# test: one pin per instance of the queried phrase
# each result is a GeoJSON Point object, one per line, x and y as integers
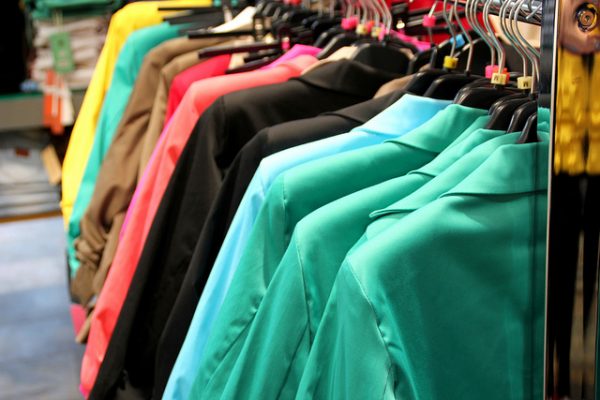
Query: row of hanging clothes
{"type": "Point", "coordinates": [297, 200]}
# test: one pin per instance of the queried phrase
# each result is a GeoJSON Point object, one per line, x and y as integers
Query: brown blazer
{"type": "Point", "coordinates": [157, 116]}
{"type": "Point", "coordinates": [118, 176]}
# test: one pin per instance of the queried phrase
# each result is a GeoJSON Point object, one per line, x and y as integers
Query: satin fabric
{"type": "Point", "coordinates": [101, 223]}
{"type": "Point", "coordinates": [143, 207]}
{"type": "Point", "coordinates": [453, 289]}
{"type": "Point", "coordinates": [337, 176]}
{"type": "Point", "coordinates": [125, 74]}
{"type": "Point", "coordinates": [391, 123]}
{"type": "Point", "coordinates": [287, 320]}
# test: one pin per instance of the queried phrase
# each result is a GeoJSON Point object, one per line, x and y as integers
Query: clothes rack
{"type": "Point", "coordinates": [187, 306]}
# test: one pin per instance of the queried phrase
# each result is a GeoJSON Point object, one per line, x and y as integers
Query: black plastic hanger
{"type": "Point", "coordinates": [196, 10]}
{"type": "Point", "coordinates": [262, 54]}
{"type": "Point", "coordinates": [260, 7]}
{"type": "Point", "coordinates": [382, 56]}
{"type": "Point", "coordinates": [529, 134]}
{"type": "Point", "coordinates": [206, 33]}
{"type": "Point", "coordinates": [270, 8]}
{"type": "Point", "coordinates": [481, 56]}
{"type": "Point", "coordinates": [308, 21]}
{"type": "Point", "coordinates": [501, 112]}
{"type": "Point", "coordinates": [422, 80]}
{"type": "Point", "coordinates": [499, 102]}
{"type": "Point", "coordinates": [419, 60]}
{"type": "Point", "coordinates": [284, 41]}
{"type": "Point", "coordinates": [322, 24]}
{"type": "Point", "coordinates": [340, 40]}
{"type": "Point", "coordinates": [326, 37]}
{"type": "Point", "coordinates": [192, 18]}
{"type": "Point", "coordinates": [215, 17]}
{"type": "Point", "coordinates": [280, 10]}
{"type": "Point", "coordinates": [297, 15]}
{"type": "Point", "coordinates": [481, 97]}
{"type": "Point", "coordinates": [483, 94]}
{"type": "Point", "coordinates": [291, 19]}
{"type": "Point", "coordinates": [521, 115]}
{"type": "Point", "coordinates": [244, 48]}
{"type": "Point", "coordinates": [253, 64]}
{"type": "Point", "coordinates": [447, 86]}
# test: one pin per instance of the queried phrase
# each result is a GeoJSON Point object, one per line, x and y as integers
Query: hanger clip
{"type": "Point", "coordinates": [450, 62]}
{"type": "Point", "coordinates": [524, 82]}
{"type": "Point", "coordinates": [429, 21]}
{"type": "Point", "coordinates": [499, 79]}
{"type": "Point", "coordinates": [378, 33]}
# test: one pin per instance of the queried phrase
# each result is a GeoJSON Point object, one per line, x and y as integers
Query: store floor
{"type": "Point", "coordinates": [38, 356]}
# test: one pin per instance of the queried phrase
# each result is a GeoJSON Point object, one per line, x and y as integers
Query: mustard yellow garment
{"type": "Point", "coordinates": [570, 114]}
{"type": "Point", "coordinates": [577, 141]}
{"type": "Point", "coordinates": [130, 18]}
{"type": "Point", "coordinates": [593, 161]}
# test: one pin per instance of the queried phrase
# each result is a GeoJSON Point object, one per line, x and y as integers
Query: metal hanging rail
{"type": "Point", "coordinates": [531, 11]}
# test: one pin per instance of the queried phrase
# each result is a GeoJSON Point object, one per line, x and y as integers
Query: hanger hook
{"type": "Point", "coordinates": [381, 12]}
{"type": "Point", "coordinates": [534, 53]}
{"type": "Point", "coordinates": [348, 8]}
{"type": "Point", "coordinates": [387, 23]}
{"type": "Point", "coordinates": [505, 25]}
{"type": "Point", "coordinates": [481, 30]}
{"type": "Point", "coordinates": [466, 35]}
{"type": "Point", "coordinates": [513, 27]}
{"type": "Point", "coordinates": [377, 14]}
{"type": "Point", "coordinates": [429, 29]}
{"type": "Point", "coordinates": [495, 41]}
{"type": "Point", "coordinates": [450, 26]}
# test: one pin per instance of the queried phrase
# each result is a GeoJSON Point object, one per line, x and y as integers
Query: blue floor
{"type": "Point", "coordinates": [39, 358]}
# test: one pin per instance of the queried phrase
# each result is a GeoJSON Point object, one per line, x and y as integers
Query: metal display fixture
{"type": "Point", "coordinates": [571, 77]}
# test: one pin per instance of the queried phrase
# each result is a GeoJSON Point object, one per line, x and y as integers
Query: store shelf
{"type": "Point", "coordinates": [25, 110]}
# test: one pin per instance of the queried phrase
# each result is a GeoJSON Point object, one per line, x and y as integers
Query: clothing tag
{"type": "Point", "coordinates": [62, 54]}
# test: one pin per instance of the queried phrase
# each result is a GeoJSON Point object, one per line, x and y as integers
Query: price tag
{"type": "Point", "coordinates": [62, 54]}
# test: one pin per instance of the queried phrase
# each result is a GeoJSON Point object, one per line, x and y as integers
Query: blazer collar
{"type": "Point", "coordinates": [510, 168]}
{"type": "Point", "coordinates": [470, 139]}
{"type": "Point", "coordinates": [441, 130]}
{"type": "Point", "coordinates": [514, 169]}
